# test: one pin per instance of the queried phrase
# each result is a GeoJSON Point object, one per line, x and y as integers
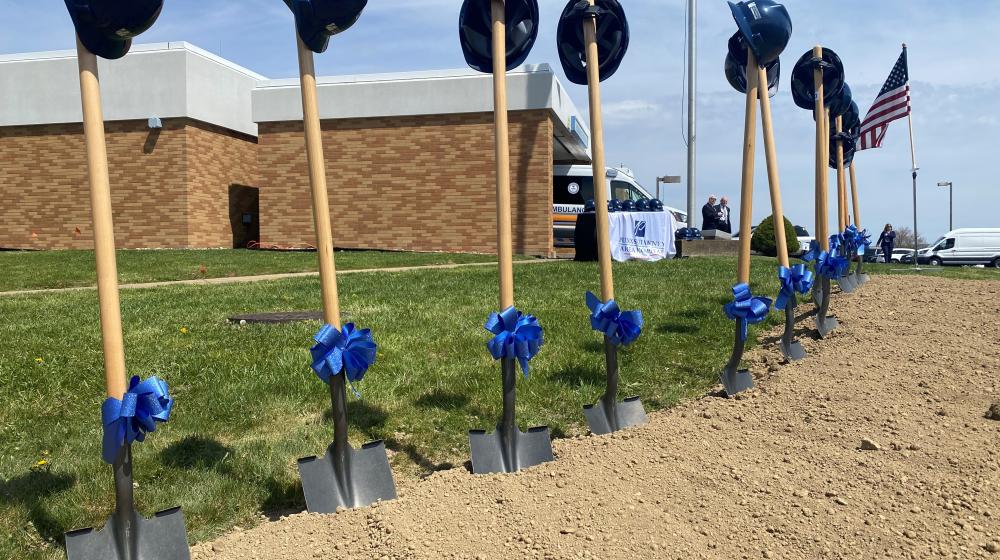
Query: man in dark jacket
{"type": "Point", "coordinates": [709, 215]}
{"type": "Point", "coordinates": [724, 214]}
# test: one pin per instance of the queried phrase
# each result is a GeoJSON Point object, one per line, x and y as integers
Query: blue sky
{"type": "Point", "coordinates": [953, 60]}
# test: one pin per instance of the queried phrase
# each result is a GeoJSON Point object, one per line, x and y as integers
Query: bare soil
{"type": "Point", "coordinates": [781, 472]}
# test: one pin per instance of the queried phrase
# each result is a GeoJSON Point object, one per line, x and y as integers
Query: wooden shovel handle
{"type": "Point", "coordinates": [597, 133]}
{"type": "Point", "coordinates": [822, 153]}
{"type": "Point", "coordinates": [746, 190]}
{"type": "Point", "coordinates": [317, 181]}
{"type": "Point", "coordinates": [505, 243]}
{"type": "Point", "coordinates": [104, 231]}
{"type": "Point", "coordinates": [773, 178]}
{"type": "Point", "coordinates": [854, 197]}
{"type": "Point", "coordinates": [841, 179]}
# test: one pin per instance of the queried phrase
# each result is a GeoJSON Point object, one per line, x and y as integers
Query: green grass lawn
{"type": "Point", "coordinates": [67, 269]}
{"type": "Point", "coordinates": [248, 405]}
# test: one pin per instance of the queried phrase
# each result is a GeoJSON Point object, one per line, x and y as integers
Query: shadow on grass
{"type": "Point", "coordinates": [426, 464]}
{"type": "Point", "coordinates": [30, 490]}
{"type": "Point", "coordinates": [591, 375]}
{"type": "Point", "coordinates": [442, 399]}
{"type": "Point", "coordinates": [362, 415]}
{"type": "Point", "coordinates": [197, 452]}
{"type": "Point", "coordinates": [677, 327]}
{"type": "Point", "coordinates": [283, 498]}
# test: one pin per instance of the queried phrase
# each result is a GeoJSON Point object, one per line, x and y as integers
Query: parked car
{"type": "Point", "coordinates": [967, 246]}
{"type": "Point", "coordinates": [874, 256]}
{"type": "Point", "coordinates": [804, 239]}
{"type": "Point", "coordinates": [901, 256]}
{"type": "Point", "coordinates": [573, 185]}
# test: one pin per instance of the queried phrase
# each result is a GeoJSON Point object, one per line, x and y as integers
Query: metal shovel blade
{"type": "Point", "coordinates": [508, 449]}
{"type": "Point", "coordinates": [824, 323]}
{"type": "Point", "coordinates": [127, 535]}
{"type": "Point", "coordinates": [604, 419]}
{"type": "Point", "coordinates": [609, 415]}
{"type": "Point", "coordinates": [736, 380]}
{"type": "Point", "coordinates": [361, 478]}
{"type": "Point", "coordinates": [508, 452]}
{"type": "Point", "coordinates": [847, 284]}
{"type": "Point", "coordinates": [161, 538]}
{"type": "Point", "coordinates": [790, 347]}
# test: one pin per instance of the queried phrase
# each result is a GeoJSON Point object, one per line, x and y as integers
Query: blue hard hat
{"type": "Point", "coordinates": [614, 205]}
{"type": "Point", "coordinates": [589, 205]}
{"type": "Point", "coordinates": [695, 233]}
{"type": "Point", "coordinates": [765, 26]}
{"type": "Point", "coordinates": [736, 67]}
{"type": "Point", "coordinates": [318, 20]}
{"type": "Point", "coordinates": [803, 87]}
{"type": "Point", "coordinates": [852, 120]}
{"type": "Point", "coordinates": [475, 32]}
{"type": "Point", "coordinates": [642, 205]}
{"type": "Point", "coordinates": [612, 38]}
{"type": "Point", "coordinates": [850, 146]}
{"type": "Point", "coordinates": [656, 205]}
{"type": "Point", "coordinates": [628, 206]}
{"type": "Point", "coordinates": [107, 27]}
{"type": "Point", "coordinates": [840, 104]}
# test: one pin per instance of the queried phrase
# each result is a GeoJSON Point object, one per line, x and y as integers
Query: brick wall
{"type": "Point", "coordinates": [217, 158]}
{"type": "Point", "coordinates": [423, 183]}
{"type": "Point", "coordinates": [168, 186]}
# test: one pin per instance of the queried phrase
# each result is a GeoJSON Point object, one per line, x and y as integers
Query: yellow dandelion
{"type": "Point", "coordinates": [39, 360]}
{"type": "Point", "coordinates": [184, 330]}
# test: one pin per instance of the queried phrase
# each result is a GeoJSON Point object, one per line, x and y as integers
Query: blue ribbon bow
{"type": "Point", "coordinates": [351, 350]}
{"type": "Point", "coordinates": [622, 327]}
{"type": "Point", "coordinates": [796, 279]}
{"type": "Point", "coordinates": [832, 266]}
{"type": "Point", "coordinates": [746, 309]}
{"type": "Point", "coordinates": [133, 416]}
{"type": "Point", "coordinates": [518, 336]}
{"type": "Point", "coordinates": [864, 242]}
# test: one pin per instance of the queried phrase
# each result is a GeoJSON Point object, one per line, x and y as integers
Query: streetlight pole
{"type": "Point", "coordinates": [951, 204]}
{"type": "Point", "coordinates": [692, 122]}
{"type": "Point", "coordinates": [666, 179]}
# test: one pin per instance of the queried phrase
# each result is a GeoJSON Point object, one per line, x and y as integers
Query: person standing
{"type": "Point", "coordinates": [709, 215]}
{"type": "Point", "coordinates": [724, 213]}
{"type": "Point", "coordinates": [887, 241]}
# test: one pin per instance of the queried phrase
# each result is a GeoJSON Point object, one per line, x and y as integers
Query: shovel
{"type": "Point", "coordinates": [127, 535]}
{"type": "Point", "coordinates": [344, 477]}
{"type": "Point", "coordinates": [608, 415]}
{"type": "Point", "coordinates": [846, 282]}
{"type": "Point", "coordinates": [859, 274]}
{"type": "Point", "coordinates": [507, 449]}
{"type": "Point", "coordinates": [790, 348]}
{"type": "Point", "coordinates": [825, 324]}
{"type": "Point", "coordinates": [735, 380]}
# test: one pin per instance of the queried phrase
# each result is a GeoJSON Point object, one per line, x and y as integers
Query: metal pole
{"type": "Point", "coordinates": [692, 189]}
{"type": "Point", "coordinates": [951, 206]}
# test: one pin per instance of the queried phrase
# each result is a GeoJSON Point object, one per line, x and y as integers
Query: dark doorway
{"type": "Point", "coordinates": [244, 215]}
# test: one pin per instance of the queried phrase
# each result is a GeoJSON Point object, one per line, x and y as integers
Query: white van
{"type": "Point", "coordinates": [573, 185]}
{"type": "Point", "coordinates": [967, 246]}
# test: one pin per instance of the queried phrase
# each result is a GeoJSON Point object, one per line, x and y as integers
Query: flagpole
{"type": "Point", "coordinates": [913, 161]}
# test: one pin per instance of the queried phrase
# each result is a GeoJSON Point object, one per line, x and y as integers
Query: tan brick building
{"type": "Point", "coordinates": [409, 156]}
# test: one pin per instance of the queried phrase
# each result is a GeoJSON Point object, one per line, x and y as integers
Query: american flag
{"type": "Point", "coordinates": [892, 103]}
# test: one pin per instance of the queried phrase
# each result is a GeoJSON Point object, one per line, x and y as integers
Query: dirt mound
{"type": "Point", "coordinates": [874, 446]}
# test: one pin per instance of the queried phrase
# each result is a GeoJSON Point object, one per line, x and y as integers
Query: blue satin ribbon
{"type": "Point", "coordinates": [128, 420]}
{"type": "Point", "coordinates": [813, 253]}
{"type": "Point", "coordinates": [796, 279]}
{"type": "Point", "coordinates": [518, 336]}
{"type": "Point", "coordinates": [622, 327]}
{"type": "Point", "coordinates": [746, 309]}
{"type": "Point", "coordinates": [864, 242]}
{"type": "Point", "coordinates": [351, 350]}
{"type": "Point", "coordinates": [832, 266]}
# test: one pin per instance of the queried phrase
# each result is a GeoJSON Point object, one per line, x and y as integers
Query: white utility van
{"type": "Point", "coordinates": [967, 246]}
{"type": "Point", "coordinates": [573, 185]}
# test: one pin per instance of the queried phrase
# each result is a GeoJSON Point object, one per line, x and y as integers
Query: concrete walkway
{"type": "Point", "coordinates": [265, 277]}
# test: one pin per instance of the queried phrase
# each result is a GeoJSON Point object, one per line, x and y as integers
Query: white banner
{"type": "Point", "coordinates": [644, 236]}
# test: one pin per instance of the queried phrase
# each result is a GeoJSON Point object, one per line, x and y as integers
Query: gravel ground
{"type": "Point", "coordinates": [877, 445]}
